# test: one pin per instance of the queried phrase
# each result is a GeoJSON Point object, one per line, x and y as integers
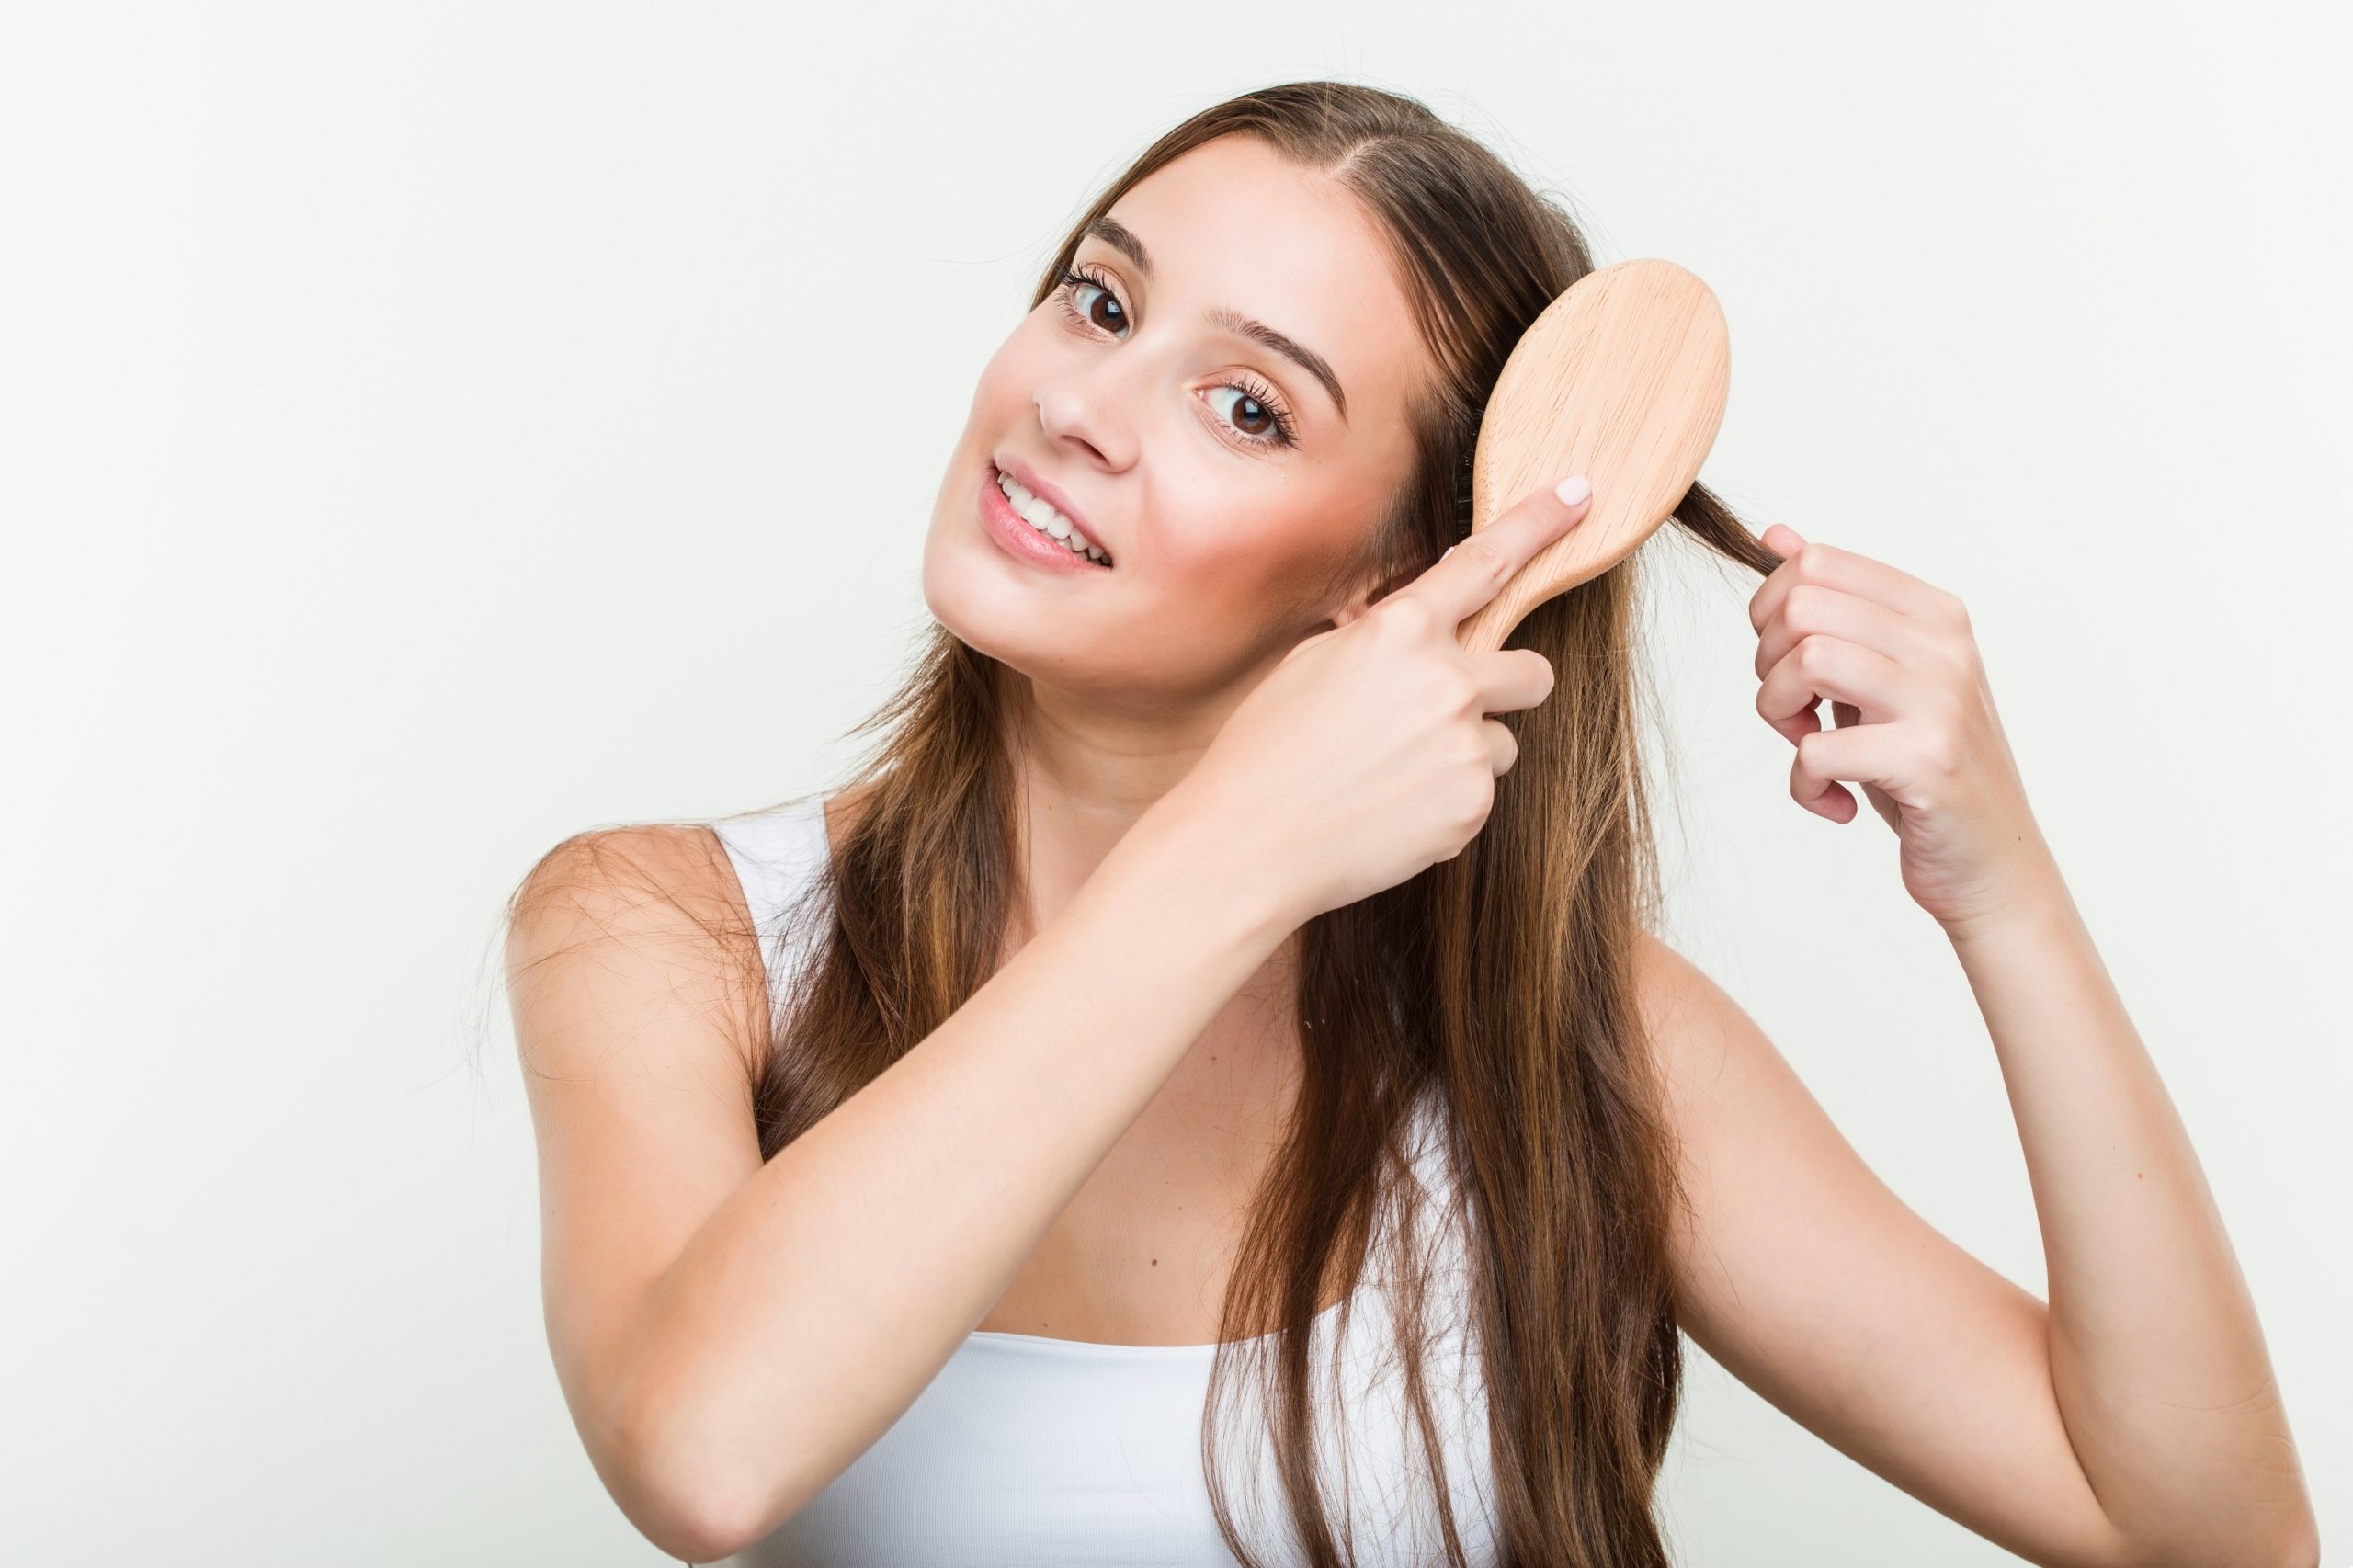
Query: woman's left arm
{"type": "Point", "coordinates": [2156, 1357]}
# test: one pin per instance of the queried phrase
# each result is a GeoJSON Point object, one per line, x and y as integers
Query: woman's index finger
{"type": "Point", "coordinates": [1460, 583]}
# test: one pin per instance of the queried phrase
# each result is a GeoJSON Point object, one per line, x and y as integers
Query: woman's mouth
{"type": "Point", "coordinates": [1031, 529]}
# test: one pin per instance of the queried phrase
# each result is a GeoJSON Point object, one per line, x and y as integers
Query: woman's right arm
{"type": "Point", "coordinates": [731, 1335]}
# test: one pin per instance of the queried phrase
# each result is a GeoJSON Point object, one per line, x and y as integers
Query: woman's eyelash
{"type": "Point", "coordinates": [1286, 434]}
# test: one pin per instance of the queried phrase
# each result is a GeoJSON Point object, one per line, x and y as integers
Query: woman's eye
{"type": "Point", "coordinates": [1117, 315]}
{"type": "Point", "coordinates": [1247, 415]}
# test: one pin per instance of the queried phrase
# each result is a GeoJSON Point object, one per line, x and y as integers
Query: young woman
{"type": "Point", "coordinates": [1185, 989]}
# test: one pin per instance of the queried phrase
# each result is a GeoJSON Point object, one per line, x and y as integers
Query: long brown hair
{"type": "Point", "coordinates": [1497, 984]}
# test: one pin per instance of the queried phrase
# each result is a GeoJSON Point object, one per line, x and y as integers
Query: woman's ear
{"type": "Point", "coordinates": [1351, 607]}
{"type": "Point", "coordinates": [1368, 595]}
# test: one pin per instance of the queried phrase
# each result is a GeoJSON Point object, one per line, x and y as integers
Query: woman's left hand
{"type": "Point", "coordinates": [1915, 723]}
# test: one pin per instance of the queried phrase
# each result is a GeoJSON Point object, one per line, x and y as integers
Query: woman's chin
{"type": "Point", "coordinates": [979, 617]}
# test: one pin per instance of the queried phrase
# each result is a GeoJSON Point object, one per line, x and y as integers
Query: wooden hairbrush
{"type": "Point", "coordinates": [1622, 379]}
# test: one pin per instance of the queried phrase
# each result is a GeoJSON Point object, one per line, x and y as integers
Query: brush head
{"type": "Point", "coordinates": [1623, 379]}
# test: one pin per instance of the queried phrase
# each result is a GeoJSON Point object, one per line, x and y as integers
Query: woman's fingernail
{"type": "Point", "coordinates": [1572, 489]}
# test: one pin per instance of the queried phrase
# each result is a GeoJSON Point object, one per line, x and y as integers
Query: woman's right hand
{"type": "Point", "coordinates": [1367, 754]}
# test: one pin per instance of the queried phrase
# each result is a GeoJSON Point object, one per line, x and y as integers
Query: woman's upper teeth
{"type": "Point", "coordinates": [1046, 520]}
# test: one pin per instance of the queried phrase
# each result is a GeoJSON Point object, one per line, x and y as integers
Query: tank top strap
{"type": "Point", "coordinates": [777, 854]}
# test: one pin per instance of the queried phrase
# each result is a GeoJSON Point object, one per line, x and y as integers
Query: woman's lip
{"type": "Point", "coordinates": [1011, 532]}
{"type": "Point", "coordinates": [1022, 475]}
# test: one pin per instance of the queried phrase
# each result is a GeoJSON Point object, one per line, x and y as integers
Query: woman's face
{"type": "Point", "coordinates": [1222, 475]}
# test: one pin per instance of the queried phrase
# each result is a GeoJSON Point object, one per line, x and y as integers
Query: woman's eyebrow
{"type": "Point", "coordinates": [1122, 238]}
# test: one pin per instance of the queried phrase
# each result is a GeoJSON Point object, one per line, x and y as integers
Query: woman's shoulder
{"type": "Point", "coordinates": [716, 875]}
{"type": "Point", "coordinates": [676, 887]}
{"type": "Point", "coordinates": [677, 862]}
{"type": "Point", "coordinates": [610, 905]}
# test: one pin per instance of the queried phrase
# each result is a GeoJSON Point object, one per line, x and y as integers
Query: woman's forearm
{"type": "Point", "coordinates": [811, 1309]}
{"type": "Point", "coordinates": [2157, 1360]}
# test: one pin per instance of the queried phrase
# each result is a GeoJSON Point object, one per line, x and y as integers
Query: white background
{"type": "Point", "coordinates": [429, 431]}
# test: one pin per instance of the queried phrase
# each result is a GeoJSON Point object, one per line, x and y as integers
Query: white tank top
{"type": "Point", "coordinates": [1025, 1452]}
